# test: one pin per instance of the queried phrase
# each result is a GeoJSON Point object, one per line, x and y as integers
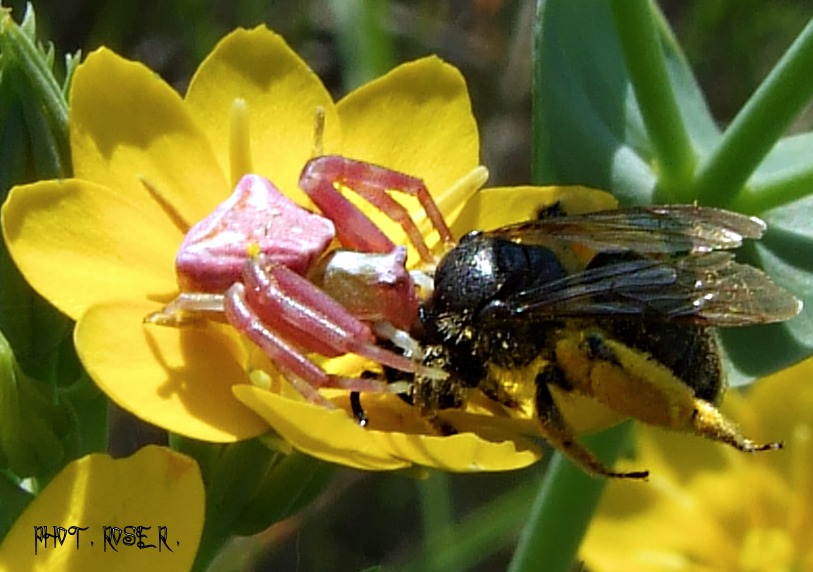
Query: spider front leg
{"type": "Point", "coordinates": [288, 316]}
{"type": "Point", "coordinates": [353, 228]}
{"type": "Point", "coordinates": [302, 313]}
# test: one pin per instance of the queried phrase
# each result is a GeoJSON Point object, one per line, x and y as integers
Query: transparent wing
{"type": "Point", "coordinates": [647, 230]}
{"type": "Point", "coordinates": [708, 288]}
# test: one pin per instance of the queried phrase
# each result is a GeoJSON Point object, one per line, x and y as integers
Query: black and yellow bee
{"type": "Point", "coordinates": [618, 306]}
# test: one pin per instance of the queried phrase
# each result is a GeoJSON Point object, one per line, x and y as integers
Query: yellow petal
{"type": "Point", "coordinates": [463, 452]}
{"type": "Point", "coordinates": [397, 436]}
{"type": "Point", "coordinates": [176, 378]}
{"type": "Point", "coordinates": [327, 434]}
{"type": "Point", "coordinates": [780, 408]}
{"type": "Point", "coordinates": [282, 95]}
{"type": "Point", "coordinates": [785, 399]}
{"type": "Point", "coordinates": [495, 207]}
{"type": "Point", "coordinates": [78, 243]}
{"type": "Point", "coordinates": [128, 125]}
{"type": "Point", "coordinates": [155, 487]}
{"type": "Point", "coordinates": [416, 119]}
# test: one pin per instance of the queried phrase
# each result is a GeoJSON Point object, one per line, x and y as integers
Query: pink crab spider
{"type": "Point", "coordinates": [264, 264]}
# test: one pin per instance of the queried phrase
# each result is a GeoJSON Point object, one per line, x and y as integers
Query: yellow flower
{"type": "Point", "coordinates": [710, 508]}
{"type": "Point", "coordinates": [156, 487]}
{"type": "Point", "coordinates": [149, 164]}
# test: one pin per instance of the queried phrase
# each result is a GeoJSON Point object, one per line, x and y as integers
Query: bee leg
{"type": "Point", "coordinates": [442, 427]}
{"type": "Point", "coordinates": [708, 421]}
{"type": "Point", "coordinates": [634, 384]}
{"type": "Point", "coordinates": [556, 430]}
{"type": "Point", "coordinates": [358, 411]}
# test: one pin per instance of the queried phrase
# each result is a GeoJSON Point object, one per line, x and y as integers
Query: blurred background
{"type": "Point", "coordinates": [363, 520]}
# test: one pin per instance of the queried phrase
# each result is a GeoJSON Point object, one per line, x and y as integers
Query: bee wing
{"type": "Point", "coordinates": [648, 230]}
{"type": "Point", "coordinates": [708, 289]}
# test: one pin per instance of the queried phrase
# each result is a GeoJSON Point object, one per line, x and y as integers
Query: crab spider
{"type": "Point", "coordinates": [264, 265]}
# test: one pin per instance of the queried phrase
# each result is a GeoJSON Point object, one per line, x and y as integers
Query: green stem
{"type": "Point", "coordinates": [759, 124]}
{"type": "Point", "coordinates": [478, 536]}
{"type": "Point", "coordinates": [436, 510]}
{"type": "Point", "coordinates": [773, 192]}
{"type": "Point", "coordinates": [564, 507]}
{"type": "Point", "coordinates": [644, 59]}
{"type": "Point", "coordinates": [365, 46]}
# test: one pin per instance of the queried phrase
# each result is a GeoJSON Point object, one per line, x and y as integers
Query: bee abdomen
{"type": "Point", "coordinates": [690, 352]}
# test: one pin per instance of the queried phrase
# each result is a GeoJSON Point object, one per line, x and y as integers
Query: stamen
{"type": "Point", "coordinates": [174, 214]}
{"type": "Point", "coordinates": [462, 190]}
{"type": "Point", "coordinates": [239, 141]}
{"type": "Point", "coordinates": [318, 132]}
{"type": "Point", "coordinates": [259, 378]}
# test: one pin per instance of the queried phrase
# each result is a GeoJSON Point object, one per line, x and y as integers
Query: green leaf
{"type": "Point", "coordinates": [20, 48]}
{"type": "Point", "coordinates": [779, 193]}
{"type": "Point", "coordinates": [33, 145]}
{"type": "Point", "coordinates": [37, 432]}
{"type": "Point", "coordinates": [591, 129]}
{"type": "Point", "coordinates": [785, 254]}
{"type": "Point", "coordinates": [249, 487]}
{"type": "Point", "coordinates": [13, 499]}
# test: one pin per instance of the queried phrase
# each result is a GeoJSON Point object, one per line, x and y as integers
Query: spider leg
{"type": "Point", "coordinates": [353, 228]}
{"type": "Point", "coordinates": [304, 314]}
{"type": "Point", "coordinates": [369, 181]}
{"type": "Point", "coordinates": [188, 308]}
{"type": "Point", "coordinates": [301, 372]}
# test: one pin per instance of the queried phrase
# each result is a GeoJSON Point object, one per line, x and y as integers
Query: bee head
{"type": "Point", "coordinates": [483, 269]}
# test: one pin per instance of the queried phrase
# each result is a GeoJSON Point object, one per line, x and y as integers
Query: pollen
{"type": "Point", "coordinates": [253, 250]}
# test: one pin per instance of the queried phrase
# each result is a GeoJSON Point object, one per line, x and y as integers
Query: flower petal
{"type": "Point", "coordinates": [78, 243]}
{"type": "Point", "coordinates": [282, 95]}
{"type": "Point", "coordinates": [416, 119]}
{"type": "Point", "coordinates": [176, 378]}
{"type": "Point", "coordinates": [397, 436]}
{"type": "Point", "coordinates": [785, 407]}
{"type": "Point", "coordinates": [495, 207]}
{"type": "Point", "coordinates": [327, 434]}
{"type": "Point", "coordinates": [785, 400]}
{"type": "Point", "coordinates": [155, 487]}
{"type": "Point", "coordinates": [463, 452]}
{"type": "Point", "coordinates": [128, 126]}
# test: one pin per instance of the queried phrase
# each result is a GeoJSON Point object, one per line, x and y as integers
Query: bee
{"type": "Point", "coordinates": [619, 307]}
